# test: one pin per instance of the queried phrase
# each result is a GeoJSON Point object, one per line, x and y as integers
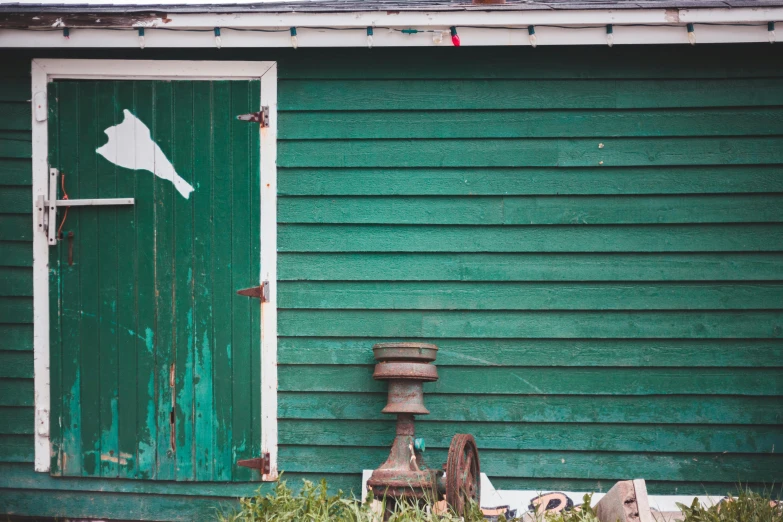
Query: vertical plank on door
{"type": "Point", "coordinates": [71, 313]}
{"type": "Point", "coordinates": [183, 296]}
{"type": "Point", "coordinates": [203, 134]}
{"type": "Point", "coordinates": [109, 324]}
{"type": "Point", "coordinates": [243, 276]}
{"type": "Point", "coordinates": [254, 214]}
{"type": "Point", "coordinates": [166, 197]}
{"type": "Point", "coordinates": [86, 242]}
{"type": "Point", "coordinates": [127, 302]}
{"type": "Point", "coordinates": [223, 290]}
{"type": "Point", "coordinates": [55, 313]}
{"type": "Point", "coordinates": [146, 242]}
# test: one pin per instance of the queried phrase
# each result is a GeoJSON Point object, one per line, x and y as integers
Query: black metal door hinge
{"type": "Point", "coordinates": [259, 292]}
{"type": "Point", "coordinates": [261, 116]}
{"type": "Point", "coordinates": [262, 464]}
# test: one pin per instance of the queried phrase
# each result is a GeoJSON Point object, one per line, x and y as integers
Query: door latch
{"type": "Point", "coordinates": [46, 209]}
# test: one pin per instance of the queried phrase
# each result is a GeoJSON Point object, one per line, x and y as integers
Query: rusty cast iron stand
{"type": "Point", "coordinates": [406, 366]}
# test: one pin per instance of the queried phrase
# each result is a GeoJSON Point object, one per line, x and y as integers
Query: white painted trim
{"type": "Point", "coordinates": [309, 37]}
{"type": "Point", "coordinates": [269, 271]}
{"type": "Point", "coordinates": [40, 273]}
{"type": "Point", "coordinates": [45, 70]}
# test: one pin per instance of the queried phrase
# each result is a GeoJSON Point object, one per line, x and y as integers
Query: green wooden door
{"type": "Point", "coordinates": [155, 361]}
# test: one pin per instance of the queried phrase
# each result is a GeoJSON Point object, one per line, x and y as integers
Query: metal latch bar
{"type": "Point", "coordinates": [93, 202]}
{"type": "Point", "coordinates": [47, 208]}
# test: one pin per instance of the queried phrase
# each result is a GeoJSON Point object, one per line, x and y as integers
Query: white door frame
{"type": "Point", "coordinates": [46, 70]}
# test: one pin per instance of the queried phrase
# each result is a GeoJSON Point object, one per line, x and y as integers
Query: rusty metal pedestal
{"type": "Point", "coordinates": [406, 366]}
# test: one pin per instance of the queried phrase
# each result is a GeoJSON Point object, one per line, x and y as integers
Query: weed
{"type": "Point", "coordinates": [314, 504]}
{"type": "Point", "coordinates": [747, 506]}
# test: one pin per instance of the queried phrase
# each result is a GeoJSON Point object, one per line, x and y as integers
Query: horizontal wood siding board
{"type": "Point", "coordinates": [423, 266]}
{"type": "Point", "coordinates": [533, 210]}
{"type": "Point", "coordinates": [22, 476]}
{"type": "Point", "coordinates": [529, 123]}
{"type": "Point", "coordinates": [558, 464]}
{"type": "Point", "coordinates": [16, 420]}
{"type": "Point", "coordinates": [526, 180]}
{"type": "Point", "coordinates": [635, 353]}
{"type": "Point", "coordinates": [16, 281]}
{"type": "Point", "coordinates": [16, 172]}
{"type": "Point", "coordinates": [509, 380]}
{"type": "Point", "coordinates": [16, 309]}
{"type": "Point", "coordinates": [16, 227]}
{"type": "Point", "coordinates": [15, 198]}
{"type": "Point", "coordinates": [648, 409]}
{"type": "Point", "coordinates": [16, 364]}
{"type": "Point", "coordinates": [384, 295]}
{"type": "Point", "coordinates": [16, 392]}
{"type": "Point", "coordinates": [533, 324]}
{"type": "Point", "coordinates": [17, 253]}
{"type": "Point", "coordinates": [16, 337]}
{"type": "Point", "coordinates": [532, 152]}
{"type": "Point", "coordinates": [520, 62]}
{"type": "Point", "coordinates": [437, 94]}
{"type": "Point", "coordinates": [551, 437]}
{"type": "Point", "coordinates": [16, 448]}
{"type": "Point", "coordinates": [760, 237]}
{"type": "Point", "coordinates": [100, 505]}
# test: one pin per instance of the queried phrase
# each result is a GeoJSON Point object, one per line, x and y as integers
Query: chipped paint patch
{"type": "Point", "coordinates": [131, 146]}
{"type": "Point", "coordinates": [121, 459]}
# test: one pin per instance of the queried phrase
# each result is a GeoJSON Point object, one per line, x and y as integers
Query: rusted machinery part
{"type": "Point", "coordinates": [463, 473]}
{"type": "Point", "coordinates": [413, 371]}
{"type": "Point", "coordinates": [421, 352]}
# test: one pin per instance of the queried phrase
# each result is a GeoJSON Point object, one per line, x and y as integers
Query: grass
{"type": "Point", "coordinates": [314, 504]}
{"type": "Point", "coordinates": [747, 506]}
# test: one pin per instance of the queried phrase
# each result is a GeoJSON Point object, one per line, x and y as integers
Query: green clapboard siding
{"type": "Point", "coordinates": [592, 236]}
{"type": "Point", "coordinates": [596, 249]}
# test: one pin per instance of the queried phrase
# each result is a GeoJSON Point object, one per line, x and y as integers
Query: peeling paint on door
{"type": "Point", "coordinates": [131, 146]}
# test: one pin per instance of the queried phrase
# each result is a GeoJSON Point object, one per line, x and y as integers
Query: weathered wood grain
{"type": "Point", "coordinates": [547, 352]}
{"type": "Point", "coordinates": [462, 94]}
{"type": "Point", "coordinates": [533, 324]}
{"type": "Point", "coordinates": [16, 336]}
{"type": "Point", "coordinates": [595, 62]}
{"type": "Point", "coordinates": [529, 296]}
{"type": "Point", "coordinates": [16, 392]}
{"type": "Point", "coordinates": [16, 364]}
{"type": "Point", "coordinates": [16, 281]}
{"type": "Point", "coordinates": [17, 253]}
{"type": "Point", "coordinates": [526, 266]}
{"type": "Point", "coordinates": [368, 181]}
{"type": "Point", "coordinates": [533, 152]}
{"type": "Point", "coordinates": [351, 124]}
{"type": "Point", "coordinates": [16, 172]}
{"type": "Point", "coordinates": [531, 238]}
{"type": "Point", "coordinates": [548, 381]}
{"type": "Point", "coordinates": [533, 210]}
{"type": "Point", "coordinates": [535, 436]}
{"type": "Point", "coordinates": [558, 464]}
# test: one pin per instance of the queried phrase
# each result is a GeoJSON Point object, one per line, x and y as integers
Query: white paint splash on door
{"type": "Point", "coordinates": [131, 146]}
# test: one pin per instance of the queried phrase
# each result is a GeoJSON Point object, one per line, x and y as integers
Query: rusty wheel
{"type": "Point", "coordinates": [463, 473]}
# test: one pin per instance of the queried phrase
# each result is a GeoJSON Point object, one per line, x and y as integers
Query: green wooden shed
{"type": "Point", "coordinates": [580, 202]}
